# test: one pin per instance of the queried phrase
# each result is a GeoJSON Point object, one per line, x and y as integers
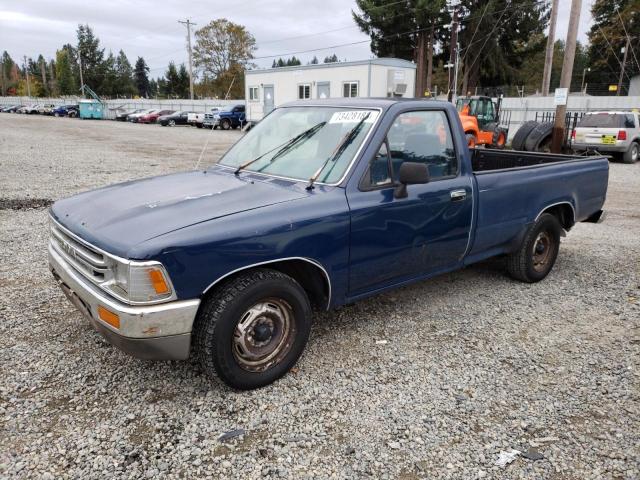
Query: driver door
{"type": "Point", "coordinates": [396, 239]}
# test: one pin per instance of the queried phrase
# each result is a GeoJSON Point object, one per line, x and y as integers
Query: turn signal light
{"type": "Point", "coordinates": [158, 281]}
{"type": "Point", "coordinates": [622, 135]}
{"type": "Point", "coordinates": [109, 317]}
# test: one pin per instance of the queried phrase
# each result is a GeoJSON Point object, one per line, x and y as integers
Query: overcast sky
{"type": "Point", "coordinates": [150, 28]}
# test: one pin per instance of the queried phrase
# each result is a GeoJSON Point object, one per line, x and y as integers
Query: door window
{"type": "Point", "coordinates": [379, 172]}
{"type": "Point", "coordinates": [424, 137]}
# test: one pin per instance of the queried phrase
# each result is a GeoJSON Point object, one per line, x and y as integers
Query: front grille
{"type": "Point", "coordinates": [84, 258]}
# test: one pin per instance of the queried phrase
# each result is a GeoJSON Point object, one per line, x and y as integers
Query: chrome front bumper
{"type": "Point", "coordinates": [155, 332]}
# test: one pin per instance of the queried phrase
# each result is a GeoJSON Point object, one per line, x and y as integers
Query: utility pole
{"type": "Point", "coordinates": [624, 64]}
{"type": "Point", "coordinates": [453, 51]}
{"type": "Point", "coordinates": [26, 71]}
{"type": "Point", "coordinates": [548, 57]}
{"type": "Point", "coordinates": [565, 79]}
{"type": "Point", "coordinates": [188, 23]}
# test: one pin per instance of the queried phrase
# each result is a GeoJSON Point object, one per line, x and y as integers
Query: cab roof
{"type": "Point", "coordinates": [383, 103]}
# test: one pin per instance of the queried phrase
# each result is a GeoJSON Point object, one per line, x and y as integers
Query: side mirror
{"type": "Point", "coordinates": [411, 173]}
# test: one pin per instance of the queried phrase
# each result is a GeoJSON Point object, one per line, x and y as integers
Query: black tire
{"type": "Point", "coordinates": [199, 125]}
{"type": "Point", "coordinates": [218, 319]}
{"type": "Point", "coordinates": [521, 135]}
{"type": "Point", "coordinates": [522, 265]}
{"type": "Point", "coordinates": [538, 136]}
{"type": "Point", "coordinates": [631, 155]}
{"type": "Point", "coordinates": [172, 123]}
{"type": "Point", "coordinates": [72, 114]}
{"type": "Point", "coordinates": [225, 124]}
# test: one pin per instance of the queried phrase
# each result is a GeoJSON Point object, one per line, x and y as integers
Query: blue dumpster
{"type": "Point", "coordinates": [91, 109]}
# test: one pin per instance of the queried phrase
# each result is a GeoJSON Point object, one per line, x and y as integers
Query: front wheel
{"type": "Point", "coordinates": [252, 330]}
{"type": "Point", "coordinates": [539, 250]}
{"type": "Point", "coordinates": [172, 123]}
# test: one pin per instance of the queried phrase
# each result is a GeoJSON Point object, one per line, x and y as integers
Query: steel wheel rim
{"type": "Point", "coordinates": [543, 249]}
{"type": "Point", "coordinates": [264, 335]}
{"type": "Point", "coordinates": [172, 123]}
{"type": "Point", "coordinates": [634, 152]}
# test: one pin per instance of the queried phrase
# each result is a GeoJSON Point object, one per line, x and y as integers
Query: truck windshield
{"type": "Point", "coordinates": [330, 125]}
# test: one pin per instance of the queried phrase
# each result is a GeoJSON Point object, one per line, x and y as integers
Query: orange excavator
{"type": "Point", "coordinates": [480, 118]}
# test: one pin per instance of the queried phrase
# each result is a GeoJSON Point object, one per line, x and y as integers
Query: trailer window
{"type": "Point", "coordinates": [350, 89]}
{"type": "Point", "coordinates": [425, 137]}
{"type": "Point", "coordinates": [304, 91]}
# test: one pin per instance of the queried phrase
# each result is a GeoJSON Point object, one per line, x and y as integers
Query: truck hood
{"type": "Point", "coordinates": [118, 217]}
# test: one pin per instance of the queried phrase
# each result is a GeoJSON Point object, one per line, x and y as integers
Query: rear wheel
{"type": "Point", "coordinates": [199, 125]}
{"type": "Point", "coordinates": [253, 329]}
{"type": "Point", "coordinates": [172, 123]}
{"type": "Point", "coordinates": [631, 155]}
{"type": "Point", "coordinates": [225, 124]}
{"type": "Point", "coordinates": [539, 250]}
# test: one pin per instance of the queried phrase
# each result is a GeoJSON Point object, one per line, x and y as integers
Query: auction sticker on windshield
{"type": "Point", "coordinates": [353, 116]}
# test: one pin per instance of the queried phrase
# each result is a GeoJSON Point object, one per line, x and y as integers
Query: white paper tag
{"type": "Point", "coordinates": [353, 116]}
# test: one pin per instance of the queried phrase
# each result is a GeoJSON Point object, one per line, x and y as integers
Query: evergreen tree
{"type": "Point", "coordinates": [109, 83]}
{"type": "Point", "coordinates": [92, 56]}
{"type": "Point", "coordinates": [152, 91]}
{"type": "Point", "coordinates": [64, 73]}
{"type": "Point", "coordinates": [612, 21]}
{"type": "Point", "coordinates": [7, 67]}
{"type": "Point", "coordinates": [124, 74]}
{"type": "Point", "coordinates": [182, 87]}
{"type": "Point", "coordinates": [274, 64]}
{"type": "Point", "coordinates": [172, 84]}
{"type": "Point", "coordinates": [314, 60]}
{"type": "Point", "coordinates": [142, 80]}
{"type": "Point", "coordinates": [331, 59]}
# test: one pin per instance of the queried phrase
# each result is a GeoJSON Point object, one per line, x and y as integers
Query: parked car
{"type": "Point", "coordinates": [11, 108]}
{"type": "Point", "coordinates": [67, 111]}
{"type": "Point", "coordinates": [46, 109]}
{"type": "Point", "coordinates": [153, 116]}
{"type": "Point", "coordinates": [321, 204]}
{"type": "Point", "coordinates": [231, 117]}
{"type": "Point", "coordinates": [197, 119]}
{"type": "Point", "coordinates": [29, 109]}
{"type": "Point", "coordinates": [122, 115]}
{"type": "Point", "coordinates": [176, 118]}
{"type": "Point", "coordinates": [135, 117]}
{"type": "Point", "coordinates": [617, 133]}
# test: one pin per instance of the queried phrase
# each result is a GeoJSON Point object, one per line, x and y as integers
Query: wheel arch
{"type": "Point", "coordinates": [310, 274]}
{"type": "Point", "coordinates": [564, 211]}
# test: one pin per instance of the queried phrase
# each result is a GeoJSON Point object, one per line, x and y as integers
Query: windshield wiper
{"type": "Point", "coordinates": [284, 147]}
{"type": "Point", "coordinates": [339, 150]}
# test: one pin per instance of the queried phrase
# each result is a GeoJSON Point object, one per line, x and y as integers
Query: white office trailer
{"type": "Point", "coordinates": [268, 88]}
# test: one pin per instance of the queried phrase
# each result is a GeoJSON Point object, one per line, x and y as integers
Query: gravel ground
{"type": "Point", "coordinates": [474, 363]}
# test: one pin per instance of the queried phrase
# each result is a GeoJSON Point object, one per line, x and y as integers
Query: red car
{"type": "Point", "coordinates": [153, 116]}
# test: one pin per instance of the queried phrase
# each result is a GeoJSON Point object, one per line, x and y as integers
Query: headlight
{"type": "Point", "coordinates": [140, 282]}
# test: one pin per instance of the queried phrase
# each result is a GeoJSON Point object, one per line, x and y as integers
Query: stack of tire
{"type": "Point", "coordinates": [533, 136]}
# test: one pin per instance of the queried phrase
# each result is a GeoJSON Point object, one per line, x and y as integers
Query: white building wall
{"type": "Point", "coordinates": [371, 79]}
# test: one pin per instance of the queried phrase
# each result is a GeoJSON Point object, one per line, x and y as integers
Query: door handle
{"type": "Point", "coordinates": [458, 195]}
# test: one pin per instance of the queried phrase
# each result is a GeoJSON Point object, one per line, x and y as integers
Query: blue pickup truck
{"type": "Point", "coordinates": [320, 205]}
{"type": "Point", "coordinates": [230, 117]}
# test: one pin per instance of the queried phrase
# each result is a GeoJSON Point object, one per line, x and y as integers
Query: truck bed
{"type": "Point", "coordinates": [515, 187]}
{"type": "Point", "coordinates": [485, 159]}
